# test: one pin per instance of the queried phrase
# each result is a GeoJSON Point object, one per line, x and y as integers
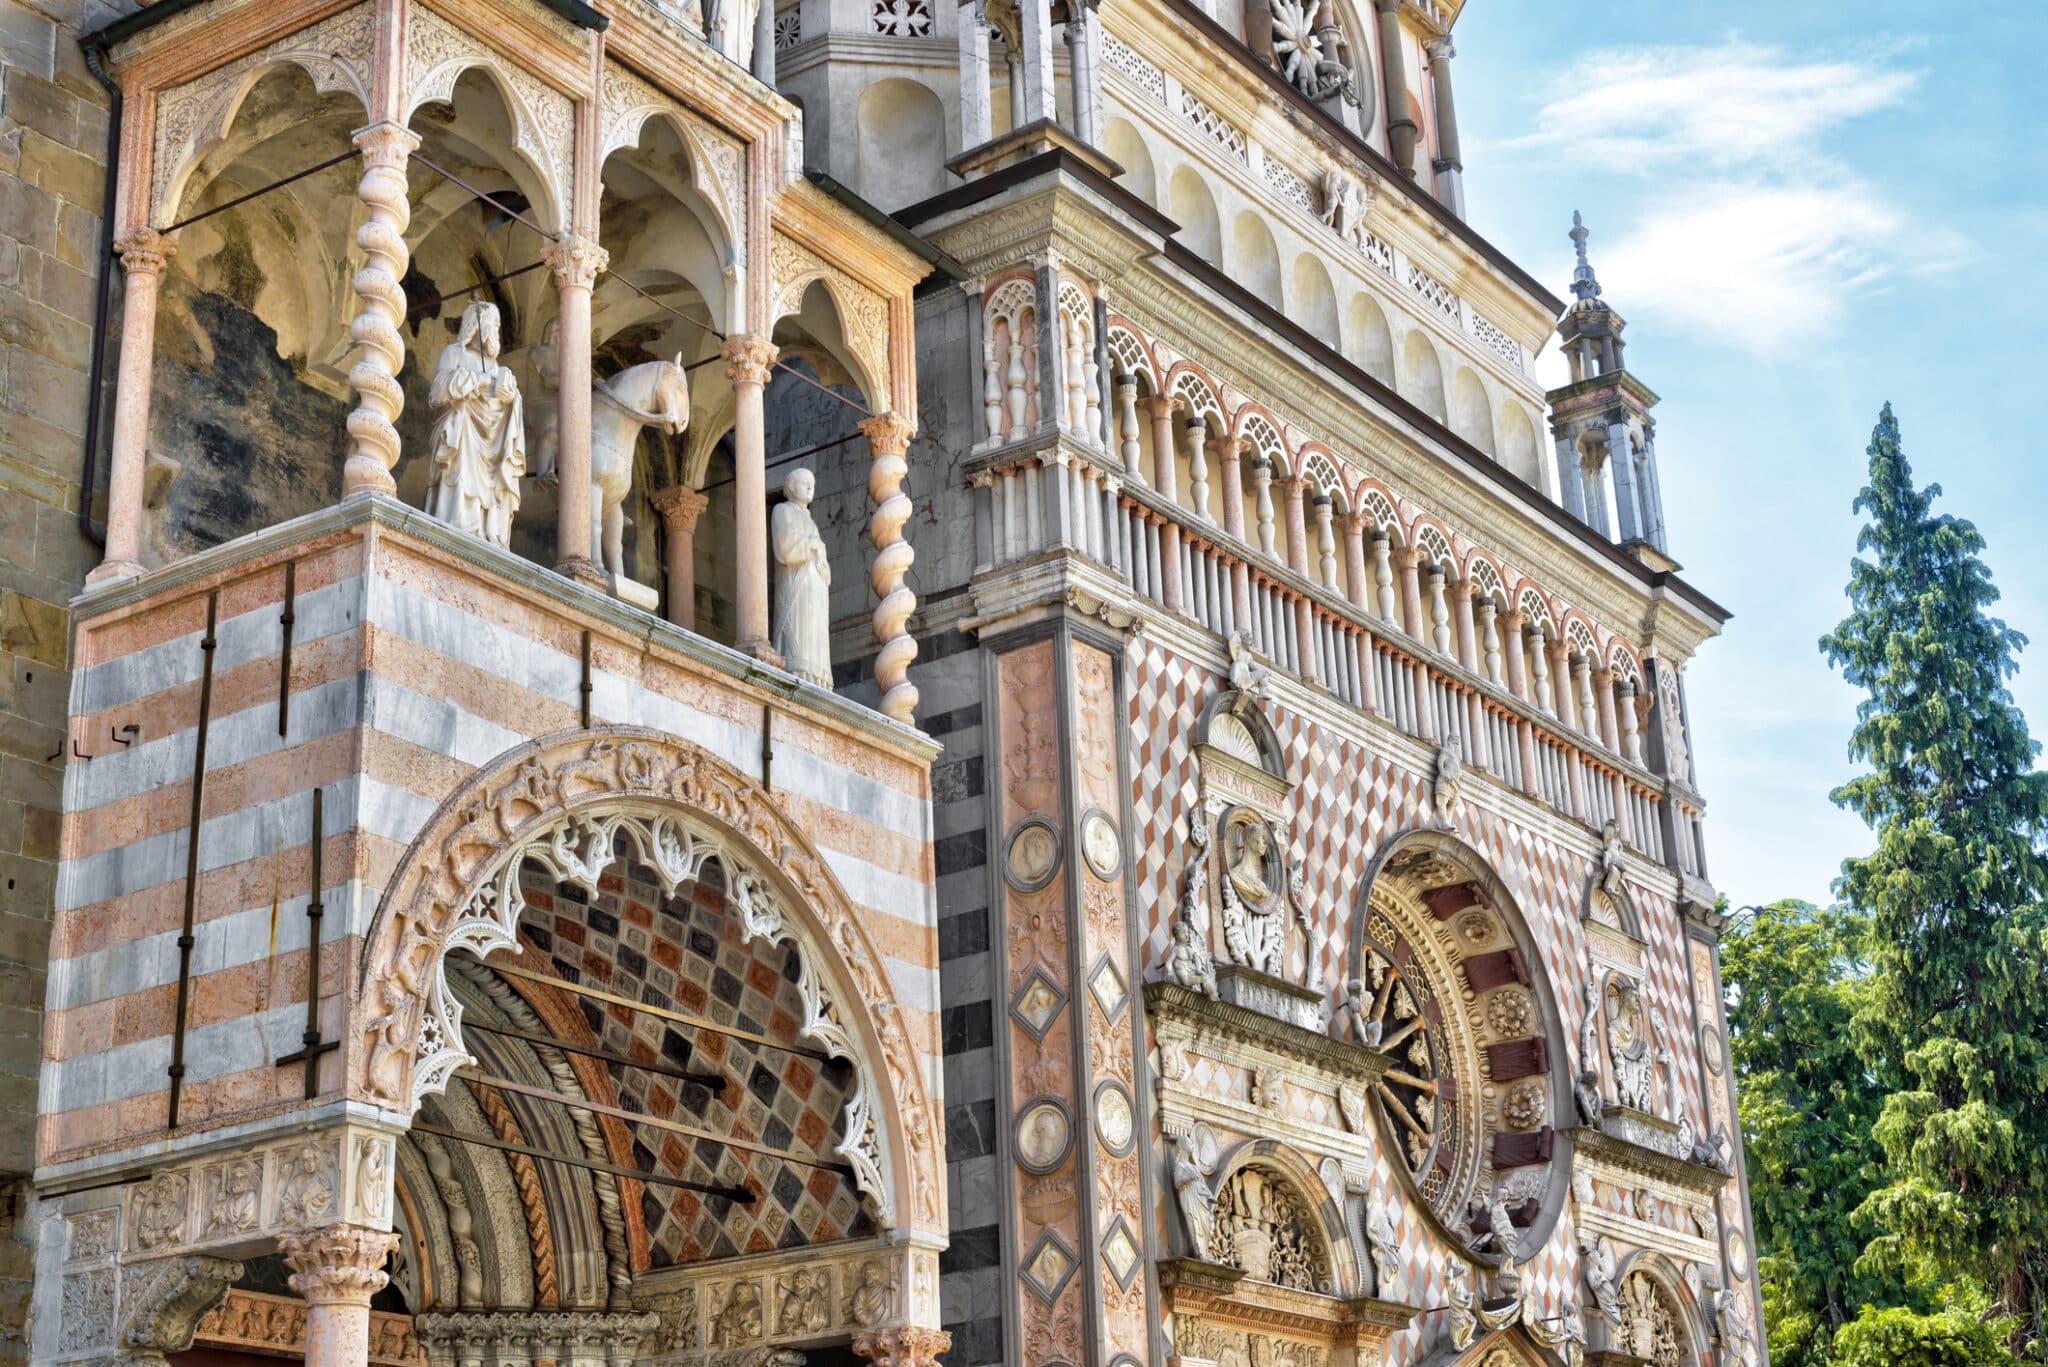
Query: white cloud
{"type": "Point", "coordinates": [1772, 268]}
{"type": "Point", "coordinates": [1738, 104]}
{"type": "Point", "coordinates": [1757, 230]}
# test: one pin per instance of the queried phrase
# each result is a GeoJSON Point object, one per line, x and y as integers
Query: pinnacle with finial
{"type": "Point", "coordinates": [1585, 285]}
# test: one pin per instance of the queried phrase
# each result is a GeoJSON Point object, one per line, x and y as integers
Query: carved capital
{"type": "Point", "coordinates": [385, 144]}
{"type": "Point", "coordinates": [162, 1302]}
{"type": "Point", "coordinates": [888, 434]}
{"type": "Point", "coordinates": [1407, 557]}
{"type": "Point", "coordinates": [576, 261]}
{"type": "Point", "coordinates": [1164, 405]}
{"type": "Point", "coordinates": [747, 359]}
{"type": "Point", "coordinates": [906, 1347]}
{"type": "Point", "coordinates": [680, 507]}
{"type": "Point", "coordinates": [1461, 589]}
{"type": "Point", "coordinates": [1603, 677]}
{"type": "Point", "coordinates": [1514, 619]}
{"type": "Point", "coordinates": [338, 1265]}
{"type": "Point", "coordinates": [1439, 48]}
{"type": "Point", "coordinates": [145, 251]}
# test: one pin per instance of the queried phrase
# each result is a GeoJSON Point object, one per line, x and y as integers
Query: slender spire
{"type": "Point", "coordinates": [1585, 285]}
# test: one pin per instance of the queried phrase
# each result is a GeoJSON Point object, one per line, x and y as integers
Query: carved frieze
{"type": "Point", "coordinates": [230, 1201]}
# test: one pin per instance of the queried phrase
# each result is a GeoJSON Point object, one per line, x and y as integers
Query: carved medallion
{"type": "Point", "coordinates": [1044, 1135]}
{"type": "Point", "coordinates": [1032, 856]}
{"type": "Point", "coordinates": [1101, 846]}
{"type": "Point", "coordinates": [1115, 1124]}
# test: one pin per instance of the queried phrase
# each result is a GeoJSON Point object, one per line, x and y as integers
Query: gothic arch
{"type": "Point", "coordinates": [562, 799]}
{"type": "Point", "coordinates": [1434, 915]}
{"type": "Point", "coordinates": [1691, 1344]}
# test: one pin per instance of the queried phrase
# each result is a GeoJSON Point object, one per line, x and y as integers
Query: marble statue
{"type": "Point", "coordinates": [479, 443]}
{"type": "Point", "coordinates": [1193, 1161]}
{"type": "Point", "coordinates": [1386, 1248]}
{"type": "Point", "coordinates": [1597, 1257]}
{"type": "Point", "coordinates": [803, 630]}
{"type": "Point", "coordinates": [1447, 798]}
{"type": "Point", "coordinates": [1458, 1301]}
{"type": "Point", "coordinates": [652, 394]}
{"type": "Point", "coordinates": [1187, 961]}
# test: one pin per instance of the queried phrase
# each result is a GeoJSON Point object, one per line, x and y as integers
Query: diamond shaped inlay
{"type": "Point", "coordinates": [1050, 1264]}
{"type": "Point", "coordinates": [1037, 1003]}
{"type": "Point", "coordinates": [1120, 1252]}
{"type": "Point", "coordinates": [1107, 985]}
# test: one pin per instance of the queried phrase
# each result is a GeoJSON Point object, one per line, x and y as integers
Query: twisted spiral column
{"type": "Point", "coordinates": [888, 437]}
{"type": "Point", "coordinates": [380, 350]}
{"type": "Point", "coordinates": [336, 1270]}
{"type": "Point", "coordinates": [145, 256]}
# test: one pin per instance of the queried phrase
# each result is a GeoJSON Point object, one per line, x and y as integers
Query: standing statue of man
{"type": "Point", "coordinates": [803, 631]}
{"type": "Point", "coordinates": [479, 449]}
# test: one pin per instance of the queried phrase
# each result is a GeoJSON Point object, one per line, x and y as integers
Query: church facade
{"type": "Point", "coordinates": [853, 681]}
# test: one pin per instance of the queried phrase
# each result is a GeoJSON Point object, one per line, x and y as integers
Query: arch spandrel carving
{"type": "Point", "coordinates": [863, 313]}
{"type": "Point", "coordinates": [437, 53]}
{"type": "Point", "coordinates": [193, 116]}
{"type": "Point", "coordinates": [718, 160]}
{"type": "Point", "coordinates": [562, 799]}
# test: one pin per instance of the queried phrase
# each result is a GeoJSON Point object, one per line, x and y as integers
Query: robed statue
{"type": "Point", "coordinates": [479, 449]}
{"type": "Point", "coordinates": [803, 629]}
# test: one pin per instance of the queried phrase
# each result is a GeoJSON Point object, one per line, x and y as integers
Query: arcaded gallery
{"type": "Point", "coordinates": [882, 681]}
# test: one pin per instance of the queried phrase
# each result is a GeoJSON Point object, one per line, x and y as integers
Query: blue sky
{"type": "Point", "coordinates": [1803, 210]}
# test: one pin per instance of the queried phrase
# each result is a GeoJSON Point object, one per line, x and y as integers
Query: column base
{"type": "Point", "coordinates": [759, 649]}
{"type": "Point", "coordinates": [588, 573]}
{"type": "Point", "coordinates": [111, 572]}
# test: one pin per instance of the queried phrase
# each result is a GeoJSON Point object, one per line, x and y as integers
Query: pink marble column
{"type": "Point", "coordinates": [680, 508]}
{"type": "Point", "coordinates": [1162, 409]}
{"type": "Point", "coordinates": [1461, 621]}
{"type": "Point", "coordinates": [1510, 625]}
{"type": "Point", "coordinates": [1355, 525]}
{"type": "Point", "coordinates": [336, 1270]}
{"type": "Point", "coordinates": [1603, 705]}
{"type": "Point", "coordinates": [747, 364]}
{"type": "Point", "coordinates": [1408, 561]}
{"type": "Point", "coordinates": [1232, 455]}
{"type": "Point", "coordinates": [145, 255]}
{"type": "Point", "coordinates": [576, 263]}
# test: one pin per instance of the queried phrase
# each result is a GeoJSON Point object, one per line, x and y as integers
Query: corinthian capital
{"type": "Point", "coordinates": [679, 506]}
{"type": "Point", "coordinates": [385, 143]}
{"type": "Point", "coordinates": [747, 359]}
{"type": "Point", "coordinates": [576, 261]}
{"type": "Point", "coordinates": [888, 433]}
{"type": "Point", "coordinates": [338, 1265]}
{"type": "Point", "coordinates": [145, 251]}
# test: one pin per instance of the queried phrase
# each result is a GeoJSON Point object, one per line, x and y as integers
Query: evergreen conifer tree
{"type": "Point", "coordinates": [1957, 1015]}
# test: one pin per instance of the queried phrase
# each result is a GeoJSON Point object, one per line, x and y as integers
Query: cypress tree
{"type": "Point", "coordinates": [1956, 1021]}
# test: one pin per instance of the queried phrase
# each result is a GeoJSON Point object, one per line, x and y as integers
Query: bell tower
{"type": "Point", "coordinates": [1606, 439]}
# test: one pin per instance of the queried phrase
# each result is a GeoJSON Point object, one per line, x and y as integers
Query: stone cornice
{"type": "Point", "coordinates": [1354, 1062]}
{"type": "Point", "coordinates": [1644, 1161]}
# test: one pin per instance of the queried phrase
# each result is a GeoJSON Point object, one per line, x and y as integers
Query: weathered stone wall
{"type": "Point", "coordinates": [53, 137]}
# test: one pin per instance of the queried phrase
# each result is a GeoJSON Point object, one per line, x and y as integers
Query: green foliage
{"type": "Point", "coordinates": [1956, 1012]}
{"type": "Point", "coordinates": [1958, 1336]}
{"type": "Point", "coordinates": [1796, 983]}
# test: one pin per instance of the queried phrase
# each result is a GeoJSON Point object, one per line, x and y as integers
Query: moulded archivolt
{"type": "Point", "coordinates": [578, 847]}
{"type": "Point", "coordinates": [191, 118]}
{"type": "Point", "coordinates": [543, 119]}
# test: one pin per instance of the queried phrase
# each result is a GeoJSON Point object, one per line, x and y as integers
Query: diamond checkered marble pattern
{"type": "Point", "coordinates": [1349, 801]}
{"type": "Point", "coordinates": [684, 953]}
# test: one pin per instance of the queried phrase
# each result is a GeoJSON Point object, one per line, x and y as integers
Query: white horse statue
{"type": "Point", "coordinates": [654, 394]}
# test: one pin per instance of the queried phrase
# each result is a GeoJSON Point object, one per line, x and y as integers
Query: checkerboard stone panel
{"type": "Point", "coordinates": [683, 952]}
{"type": "Point", "coordinates": [1348, 803]}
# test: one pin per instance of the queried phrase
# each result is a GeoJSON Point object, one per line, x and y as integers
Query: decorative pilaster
{"type": "Point", "coordinates": [888, 437]}
{"type": "Point", "coordinates": [575, 262]}
{"type": "Point", "coordinates": [906, 1347]}
{"type": "Point", "coordinates": [747, 364]}
{"type": "Point", "coordinates": [163, 1301]}
{"type": "Point", "coordinates": [145, 256]}
{"type": "Point", "coordinates": [680, 507]}
{"type": "Point", "coordinates": [1035, 27]}
{"type": "Point", "coordinates": [380, 351]}
{"type": "Point", "coordinates": [977, 118]}
{"type": "Point", "coordinates": [336, 1270]}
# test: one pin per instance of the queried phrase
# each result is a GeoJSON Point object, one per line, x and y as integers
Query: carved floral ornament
{"type": "Point", "coordinates": [564, 801]}
{"type": "Point", "coordinates": [863, 313]}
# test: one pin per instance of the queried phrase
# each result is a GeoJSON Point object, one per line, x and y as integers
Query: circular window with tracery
{"type": "Point", "coordinates": [1447, 996]}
